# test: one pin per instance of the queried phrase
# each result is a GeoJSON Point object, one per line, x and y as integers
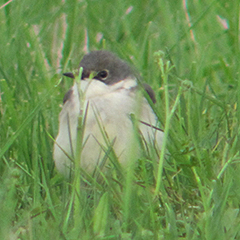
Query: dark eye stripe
{"type": "Point", "coordinates": [102, 75]}
{"type": "Point", "coordinates": [85, 74]}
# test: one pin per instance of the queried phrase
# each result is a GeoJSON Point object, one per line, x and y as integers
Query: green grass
{"type": "Point", "coordinates": [196, 192]}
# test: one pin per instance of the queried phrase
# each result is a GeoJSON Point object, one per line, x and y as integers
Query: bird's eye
{"type": "Point", "coordinates": [102, 75]}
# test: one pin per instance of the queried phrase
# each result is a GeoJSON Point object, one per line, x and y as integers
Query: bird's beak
{"type": "Point", "coordinates": [69, 74]}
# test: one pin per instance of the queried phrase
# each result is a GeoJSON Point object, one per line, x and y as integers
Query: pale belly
{"type": "Point", "coordinates": [108, 124]}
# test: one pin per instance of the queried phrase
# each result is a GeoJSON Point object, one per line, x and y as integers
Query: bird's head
{"type": "Point", "coordinates": [105, 67]}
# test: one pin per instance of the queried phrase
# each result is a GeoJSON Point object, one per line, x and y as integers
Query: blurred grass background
{"type": "Point", "coordinates": [200, 188]}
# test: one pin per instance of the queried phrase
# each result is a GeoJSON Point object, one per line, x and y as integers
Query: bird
{"type": "Point", "coordinates": [109, 97]}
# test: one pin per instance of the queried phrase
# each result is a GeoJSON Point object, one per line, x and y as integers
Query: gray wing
{"type": "Point", "coordinates": [150, 92]}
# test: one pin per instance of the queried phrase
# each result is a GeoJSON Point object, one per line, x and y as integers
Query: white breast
{"type": "Point", "coordinates": [109, 108]}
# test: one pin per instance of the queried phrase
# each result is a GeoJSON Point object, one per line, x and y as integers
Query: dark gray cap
{"type": "Point", "coordinates": [105, 62]}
